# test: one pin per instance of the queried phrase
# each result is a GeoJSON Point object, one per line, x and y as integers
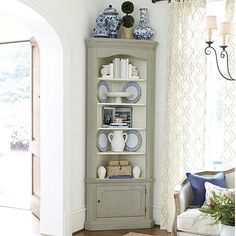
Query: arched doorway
{"type": "Point", "coordinates": [53, 70]}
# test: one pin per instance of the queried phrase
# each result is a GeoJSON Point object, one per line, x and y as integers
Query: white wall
{"type": "Point", "coordinates": [51, 110]}
{"type": "Point", "coordinates": [157, 18]}
{"type": "Point", "coordinates": [76, 19]}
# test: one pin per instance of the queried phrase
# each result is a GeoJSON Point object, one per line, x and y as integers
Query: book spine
{"type": "Point", "coordinates": [111, 70]}
{"type": "Point", "coordinates": [122, 68]}
{"type": "Point", "coordinates": [130, 71]}
{"type": "Point", "coordinates": [118, 67]}
{"type": "Point", "coordinates": [126, 68]}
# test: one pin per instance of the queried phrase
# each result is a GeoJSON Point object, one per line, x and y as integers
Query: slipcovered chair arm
{"type": "Point", "coordinates": [182, 197]}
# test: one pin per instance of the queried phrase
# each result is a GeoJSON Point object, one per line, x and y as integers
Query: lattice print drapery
{"type": "Point", "coordinates": [186, 115]}
{"type": "Point", "coordinates": [229, 151]}
{"type": "Point", "coordinates": [186, 95]}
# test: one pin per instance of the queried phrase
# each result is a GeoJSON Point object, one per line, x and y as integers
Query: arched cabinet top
{"type": "Point", "coordinates": [132, 47]}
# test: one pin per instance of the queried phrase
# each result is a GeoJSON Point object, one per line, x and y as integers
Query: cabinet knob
{"type": "Point", "coordinates": [99, 201]}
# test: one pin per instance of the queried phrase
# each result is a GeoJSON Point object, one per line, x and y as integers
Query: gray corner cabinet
{"type": "Point", "coordinates": [120, 99]}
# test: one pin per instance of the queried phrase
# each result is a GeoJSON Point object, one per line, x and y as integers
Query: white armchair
{"type": "Point", "coordinates": [186, 221]}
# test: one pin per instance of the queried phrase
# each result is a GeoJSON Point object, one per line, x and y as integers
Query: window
{"type": "Point", "coordinates": [215, 124]}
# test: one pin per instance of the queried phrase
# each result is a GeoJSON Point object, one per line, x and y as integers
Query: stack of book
{"type": "Point", "coordinates": [118, 125]}
{"type": "Point", "coordinates": [121, 68]}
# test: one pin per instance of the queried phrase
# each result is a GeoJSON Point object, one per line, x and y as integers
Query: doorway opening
{"type": "Point", "coordinates": [22, 19]}
{"type": "Point", "coordinates": [15, 124]}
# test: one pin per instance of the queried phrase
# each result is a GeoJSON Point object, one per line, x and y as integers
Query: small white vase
{"type": "Point", "coordinates": [136, 172]}
{"type": "Point", "coordinates": [117, 140]}
{"type": "Point", "coordinates": [227, 230]}
{"type": "Point", "coordinates": [101, 172]}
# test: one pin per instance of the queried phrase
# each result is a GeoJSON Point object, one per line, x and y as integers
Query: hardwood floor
{"type": "Point", "coordinates": [153, 231]}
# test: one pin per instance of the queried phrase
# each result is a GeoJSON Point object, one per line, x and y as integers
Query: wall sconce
{"type": "Point", "coordinates": [224, 31]}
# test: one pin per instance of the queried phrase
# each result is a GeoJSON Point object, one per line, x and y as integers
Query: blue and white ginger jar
{"type": "Point", "coordinates": [143, 31]}
{"type": "Point", "coordinates": [101, 30]}
{"type": "Point", "coordinates": [113, 21]}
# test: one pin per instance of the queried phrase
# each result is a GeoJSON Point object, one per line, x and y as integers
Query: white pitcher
{"type": "Point", "coordinates": [117, 140]}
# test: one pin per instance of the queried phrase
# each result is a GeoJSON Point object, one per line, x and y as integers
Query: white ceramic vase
{"type": "Point", "coordinates": [227, 230]}
{"type": "Point", "coordinates": [136, 172]}
{"type": "Point", "coordinates": [117, 140]}
{"type": "Point", "coordinates": [101, 172]}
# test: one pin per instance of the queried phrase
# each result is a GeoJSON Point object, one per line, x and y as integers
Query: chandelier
{"type": "Point", "coordinates": [224, 31]}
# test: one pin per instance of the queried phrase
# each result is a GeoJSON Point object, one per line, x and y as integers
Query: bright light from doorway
{"type": "Point", "coordinates": [15, 125]}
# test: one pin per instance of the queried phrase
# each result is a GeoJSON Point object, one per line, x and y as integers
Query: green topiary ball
{"type": "Point", "coordinates": [127, 21]}
{"type": "Point", "coordinates": [127, 7]}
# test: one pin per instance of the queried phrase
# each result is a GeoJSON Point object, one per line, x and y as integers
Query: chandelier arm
{"type": "Point", "coordinates": [208, 52]}
{"type": "Point", "coordinates": [222, 55]}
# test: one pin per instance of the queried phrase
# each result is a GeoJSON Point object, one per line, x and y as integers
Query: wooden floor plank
{"type": "Point", "coordinates": [153, 231]}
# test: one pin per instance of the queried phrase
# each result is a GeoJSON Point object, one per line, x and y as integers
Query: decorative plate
{"type": "Point", "coordinates": [102, 90]}
{"type": "Point", "coordinates": [135, 90]}
{"type": "Point", "coordinates": [102, 140]}
{"type": "Point", "coordinates": [134, 141]}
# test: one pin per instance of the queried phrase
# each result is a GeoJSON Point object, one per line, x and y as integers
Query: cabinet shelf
{"type": "Point", "coordinates": [106, 180]}
{"type": "Point", "coordinates": [121, 153]}
{"type": "Point", "coordinates": [123, 80]}
{"type": "Point", "coordinates": [121, 104]}
{"type": "Point", "coordinates": [118, 180]}
{"type": "Point", "coordinates": [122, 128]}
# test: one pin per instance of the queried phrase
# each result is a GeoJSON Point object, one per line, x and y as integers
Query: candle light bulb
{"type": "Point", "coordinates": [224, 31]}
{"type": "Point", "coordinates": [210, 25]}
{"type": "Point", "coordinates": [225, 28]}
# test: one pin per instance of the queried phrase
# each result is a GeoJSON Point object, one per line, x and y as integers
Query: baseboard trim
{"type": "Point", "coordinates": [157, 214]}
{"type": "Point", "coordinates": [78, 219]}
{"type": "Point", "coordinates": [119, 224]}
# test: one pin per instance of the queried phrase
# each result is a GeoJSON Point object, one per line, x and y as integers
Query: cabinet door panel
{"type": "Point", "coordinates": [120, 201]}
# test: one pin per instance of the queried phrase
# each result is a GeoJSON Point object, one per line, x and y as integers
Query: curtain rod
{"type": "Point", "coordinates": [19, 41]}
{"type": "Point", "coordinates": [159, 0]}
{"type": "Point", "coordinates": [169, 1]}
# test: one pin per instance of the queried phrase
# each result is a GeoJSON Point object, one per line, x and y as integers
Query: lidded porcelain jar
{"type": "Point", "coordinates": [101, 30]}
{"type": "Point", "coordinates": [113, 21]}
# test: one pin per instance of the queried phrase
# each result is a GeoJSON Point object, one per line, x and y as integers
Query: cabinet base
{"type": "Point", "coordinates": [126, 224]}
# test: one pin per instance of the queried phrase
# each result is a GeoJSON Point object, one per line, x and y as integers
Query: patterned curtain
{"type": "Point", "coordinates": [229, 150]}
{"type": "Point", "coordinates": [186, 95]}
